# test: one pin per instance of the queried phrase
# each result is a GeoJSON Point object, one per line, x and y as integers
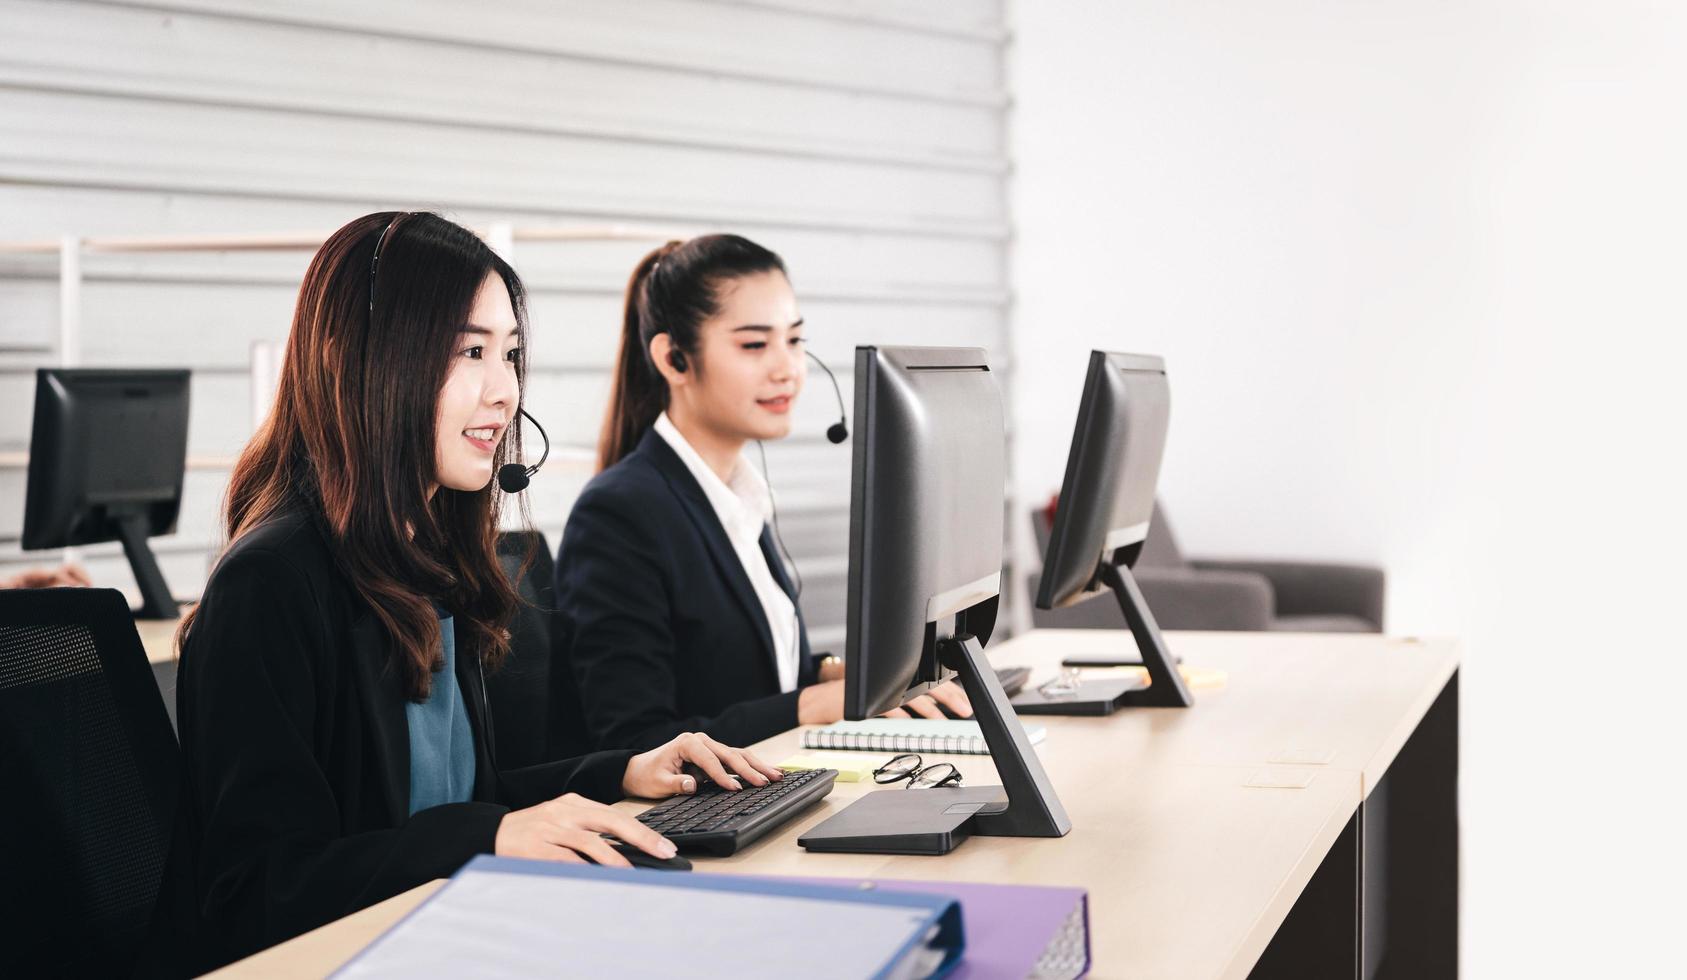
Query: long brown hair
{"type": "Point", "coordinates": [672, 290]}
{"type": "Point", "coordinates": [350, 439]}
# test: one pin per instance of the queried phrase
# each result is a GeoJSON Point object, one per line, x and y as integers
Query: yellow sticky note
{"type": "Point", "coordinates": [1195, 677]}
{"type": "Point", "coordinates": [852, 768]}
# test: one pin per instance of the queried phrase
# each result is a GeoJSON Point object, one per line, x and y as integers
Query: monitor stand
{"type": "Point", "coordinates": [934, 821]}
{"type": "Point", "coordinates": [156, 602]}
{"type": "Point", "coordinates": [1166, 688]}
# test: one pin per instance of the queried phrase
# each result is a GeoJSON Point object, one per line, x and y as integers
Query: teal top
{"type": "Point", "coordinates": [441, 744]}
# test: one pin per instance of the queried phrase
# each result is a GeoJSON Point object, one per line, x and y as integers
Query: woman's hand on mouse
{"type": "Point", "coordinates": [570, 828]}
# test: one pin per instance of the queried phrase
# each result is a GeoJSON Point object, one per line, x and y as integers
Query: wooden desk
{"type": "Point", "coordinates": [321, 951]}
{"type": "Point", "coordinates": [1346, 701]}
{"type": "Point", "coordinates": [158, 638]}
{"type": "Point", "coordinates": [1196, 867]}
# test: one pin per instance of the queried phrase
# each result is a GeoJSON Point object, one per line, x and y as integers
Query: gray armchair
{"type": "Point", "coordinates": [1210, 594]}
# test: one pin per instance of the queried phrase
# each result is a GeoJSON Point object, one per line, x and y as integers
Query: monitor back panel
{"type": "Point", "coordinates": [926, 514]}
{"type": "Point", "coordinates": [1107, 497]}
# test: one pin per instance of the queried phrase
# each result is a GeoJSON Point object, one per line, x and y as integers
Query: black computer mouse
{"type": "Point", "coordinates": [641, 859]}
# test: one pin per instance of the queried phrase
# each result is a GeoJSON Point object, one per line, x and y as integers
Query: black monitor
{"type": "Point", "coordinates": [925, 518]}
{"type": "Point", "coordinates": [1106, 502]}
{"type": "Point", "coordinates": [925, 573]}
{"type": "Point", "coordinates": [106, 456]}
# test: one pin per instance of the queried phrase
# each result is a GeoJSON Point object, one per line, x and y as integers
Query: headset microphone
{"type": "Point", "coordinates": [514, 477]}
{"type": "Point", "coordinates": [838, 431]}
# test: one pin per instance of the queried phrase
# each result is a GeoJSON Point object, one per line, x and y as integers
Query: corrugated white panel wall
{"type": "Point", "coordinates": [864, 141]}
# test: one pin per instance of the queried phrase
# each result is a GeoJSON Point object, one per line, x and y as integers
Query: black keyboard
{"type": "Point", "coordinates": [719, 821]}
{"type": "Point", "coordinates": [1012, 679]}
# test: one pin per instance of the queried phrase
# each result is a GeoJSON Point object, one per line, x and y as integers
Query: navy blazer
{"type": "Point", "coordinates": [663, 632]}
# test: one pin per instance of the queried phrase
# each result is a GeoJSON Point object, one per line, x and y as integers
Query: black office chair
{"type": "Point", "coordinates": [89, 771]}
{"type": "Point", "coordinates": [535, 716]}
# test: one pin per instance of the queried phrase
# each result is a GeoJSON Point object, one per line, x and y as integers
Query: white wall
{"type": "Point", "coordinates": [864, 144]}
{"type": "Point", "coordinates": [1416, 270]}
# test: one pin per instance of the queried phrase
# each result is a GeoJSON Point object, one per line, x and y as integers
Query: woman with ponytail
{"type": "Point", "coordinates": [681, 614]}
{"type": "Point", "coordinates": [336, 748]}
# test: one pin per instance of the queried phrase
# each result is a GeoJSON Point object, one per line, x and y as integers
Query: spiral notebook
{"type": "Point", "coordinates": [907, 735]}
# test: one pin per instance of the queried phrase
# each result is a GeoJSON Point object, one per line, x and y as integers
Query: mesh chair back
{"type": "Point", "coordinates": [89, 770]}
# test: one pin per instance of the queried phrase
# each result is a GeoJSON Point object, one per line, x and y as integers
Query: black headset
{"type": "Point", "coordinates": [837, 432]}
{"type": "Point", "coordinates": [512, 477]}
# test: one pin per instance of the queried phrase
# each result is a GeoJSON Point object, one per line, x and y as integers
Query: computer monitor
{"type": "Point", "coordinates": [925, 571]}
{"type": "Point", "coordinates": [1106, 502]}
{"type": "Point", "coordinates": [106, 456]}
{"type": "Point", "coordinates": [925, 518]}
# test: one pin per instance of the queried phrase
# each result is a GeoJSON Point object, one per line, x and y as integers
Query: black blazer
{"type": "Point", "coordinates": [663, 631]}
{"type": "Point", "coordinates": [296, 757]}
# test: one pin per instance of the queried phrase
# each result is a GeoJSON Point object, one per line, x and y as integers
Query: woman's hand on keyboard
{"type": "Point", "coordinates": [822, 703]}
{"type": "Point", "coordinates": [948, 695]}
{"type": "Point", "coordinates": [661, 771]}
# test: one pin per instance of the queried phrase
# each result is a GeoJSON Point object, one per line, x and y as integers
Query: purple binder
{"type": "Point", "coordinates": [1013, 931]}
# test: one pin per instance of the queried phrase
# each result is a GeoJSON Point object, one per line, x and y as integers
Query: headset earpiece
{"type": "Point", "coordinates": [676, 357]}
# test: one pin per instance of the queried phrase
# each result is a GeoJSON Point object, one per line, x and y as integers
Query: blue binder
{"type": "Point", "coordinates": [537, 918]}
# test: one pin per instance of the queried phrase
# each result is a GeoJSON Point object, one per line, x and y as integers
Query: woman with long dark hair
{"type": "Point", "coordinates": [332, 700]}
{"type": "Point", "coordinates": [681, 614]}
